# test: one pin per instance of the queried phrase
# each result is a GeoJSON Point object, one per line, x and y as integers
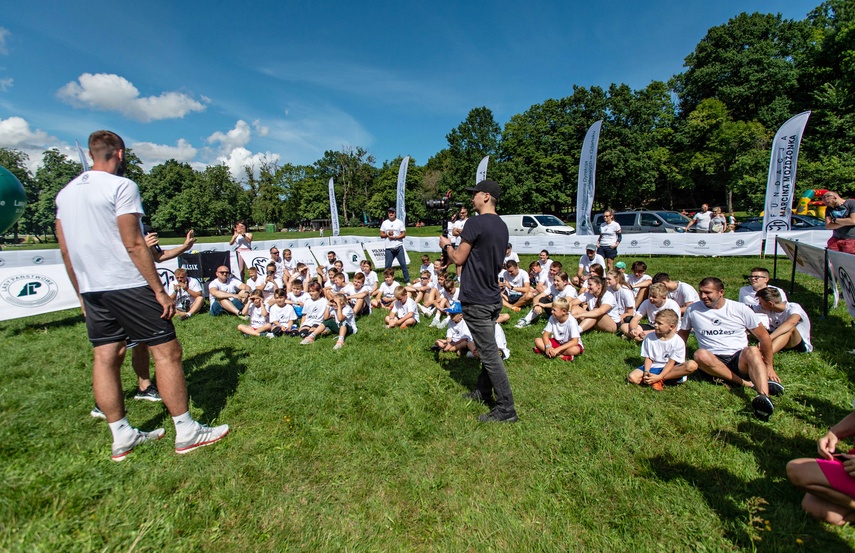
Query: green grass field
{"type": "Point", "coordinates": [371, 448]}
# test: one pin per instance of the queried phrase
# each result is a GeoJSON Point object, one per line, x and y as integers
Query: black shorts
{"type": "Point", "coordinates": [607, 252]}
{"type": "Point", "coordinates": [120, 315]}
{"type": "Point", "coordinates": [645, 327]}
{"type": "Point", "coordinates": [731, 362]}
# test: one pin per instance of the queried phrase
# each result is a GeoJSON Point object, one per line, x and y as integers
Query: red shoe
{"type": "Point", "coordinates": [567, 357]}
{"type": "Point", "coordinates": [537, 351]}
{"type": "Point", "coordinates": [658, 386]}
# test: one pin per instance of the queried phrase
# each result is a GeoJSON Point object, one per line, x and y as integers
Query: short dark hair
{"type": "Point", "coordinates": [661, 277]}
{"type": "Point", "coordinates": [715, 282]}
{"type": "Point", "coordinates": [104, 145]}
{"type": "Point", "coordinates": [770, 294]}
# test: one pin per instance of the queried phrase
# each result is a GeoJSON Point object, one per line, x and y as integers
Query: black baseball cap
{"type": "Point", "coordinates": [391, 210]}
{"type": "Point", "coordinates": [488, 186]}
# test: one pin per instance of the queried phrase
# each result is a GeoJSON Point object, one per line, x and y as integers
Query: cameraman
{"type": "Point", "coordinates": [479, 259]}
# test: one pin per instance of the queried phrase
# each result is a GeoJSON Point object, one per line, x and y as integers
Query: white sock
{"type": "Point", "coordinates": [531, 316]}
{"type": "Point", "coordinates": [122, 431]}
{"type": "Point", "coordinates": [184, 426]}
{"type": "Point", "coordinates": [438, 316]}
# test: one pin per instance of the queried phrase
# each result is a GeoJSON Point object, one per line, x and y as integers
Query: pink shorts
{"type": "Point", "coordinates": [838, 478]}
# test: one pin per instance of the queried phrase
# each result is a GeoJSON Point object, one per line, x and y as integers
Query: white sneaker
{"type": "Point", "coordinates": [423, 309]}
{"type": "Point", "coordinates": [121, 451]}
{"type": "Point", "coordinates": [444, 323]}
{"type": "Point", "coordinates": [338, 345]}
{"type": "Point", "coordinates": [435, 323]}
{"type": "Point", "coordinates": [270, 335]}
{"type": "Point", "coordinates": [522, 323]}
{"type": "Point", "coordinates": [307, 340]}
{"type": "Point", "coordinates": [203, 435]}
{"type": "Point", "coordinates": [430, 311]}
{"type": "Point", "coordinates": [506, 353]}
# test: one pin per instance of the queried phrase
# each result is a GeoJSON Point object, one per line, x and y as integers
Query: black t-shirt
{"type": "Point", "coordinates": [479, 276]}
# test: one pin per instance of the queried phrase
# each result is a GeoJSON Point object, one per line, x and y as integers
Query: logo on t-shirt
{"type": "Point", "coordinates": [28, 290]}
{"type": "Point", "coordinates": [716, 322]}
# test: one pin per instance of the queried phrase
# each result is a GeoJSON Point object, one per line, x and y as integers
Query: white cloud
{"type": "Point", "coordinates": [153, 154]}
{"type": "Point", "coordinates": [259, 128]}
{"type": "Point", "coordinates": [15, 133]}
{"type": "Point", "coordinates": [238, 158]}
{"type": "Point", "coordinates": [6, 84]}
{"type": "Point", "coordinates": [111, 92]}
{"type": "Point", "coordinates": [4, 32]}
{"type": "Point", "coordinates": [235, 138]}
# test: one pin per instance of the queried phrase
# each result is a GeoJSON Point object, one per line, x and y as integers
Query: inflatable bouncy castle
{"type": "Point", "coordinates": [811, 204]}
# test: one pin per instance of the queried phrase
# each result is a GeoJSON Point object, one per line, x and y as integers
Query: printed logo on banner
{"type": "Point", "coordinates": [166, 276]}
{"type": "Point", "coordinates": [666, 243]}
{"type": "Point", "coordinates": [846, 283]}
{"type": "Point", "coordinates": [634, 243]}
{"type": "Point", "coordinates": [260, 264]}
{"type": "Point", "coordinates": [577, 244]}
{"type": "Point", "coordinates": [352, 255]}
{"type": "Point", "coordinates": [38, 260]}
{"type": "Point", "coordinates": [740, 243]}
{"type": "Point", "coordinates": [777, 226]}
{"type": "Point", "coordinates": [425, 243]}
{"type": "Point", "coordinates": [526, 243]}
{"type": "Point", "coordinates": [28, 290]}
{"type": "Point", "coordinates": [702, 243]}
{"type": "Point", "coordinates": [551, 243]}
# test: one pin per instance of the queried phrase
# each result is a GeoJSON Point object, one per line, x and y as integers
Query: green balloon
{"type": "Point", "coordinates": [13, 199]}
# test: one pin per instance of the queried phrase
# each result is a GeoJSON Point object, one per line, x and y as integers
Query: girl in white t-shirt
{"type": "Point", "coordinates": [257, 313]}
{"type": "Point", "coordinates": [592, 308]}
{"type": "Point", "coordinates": [281, 314]}
{"type": "Point", "coordinates": [624, 308]}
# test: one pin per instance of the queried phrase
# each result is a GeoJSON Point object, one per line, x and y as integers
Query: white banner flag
{"type": "Point", "coordinates": [587, 176]}
{"type": "Point", "coordinates": [844, 270]}
{"type": "Point", "coordinates": [333, 209]}
{"type": "Point", "coordinates": [482, 170]}
{"type": "Point", "coordinates": [781, 182]}
{"type": "Point", "coordinates": [84, 161]}
{"type": "Point", "coordinates": [402, 189]}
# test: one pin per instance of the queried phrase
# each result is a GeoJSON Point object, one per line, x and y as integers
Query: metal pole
{"type": "Point", "coordinates": [793, 274]}
{"type": "Point", "coordinates": [775, 261]}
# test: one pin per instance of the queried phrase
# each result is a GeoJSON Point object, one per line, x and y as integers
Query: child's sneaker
{"type": "Point", "coordinates": [568, 357]}
{"type": "Point", "coordinates": [444, 323]}
{"type": "Point", "coordinates": [307, 340]}
{"type": "Point", "coordinates": [658, 386]}
{"type": "Point", "coordinates": [522, 323]}
{"type": "Point", "coordinates": [338, 345]}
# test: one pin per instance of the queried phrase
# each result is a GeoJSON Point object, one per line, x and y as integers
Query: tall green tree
{"type": "Point", "coordinates": [159, 186]}
{"type": "Point", "coordinates": [477, 136]}
{"type": "Point", "coordinates": [352, 170]}
{"type": "Point", "coordinates": [56, 171]}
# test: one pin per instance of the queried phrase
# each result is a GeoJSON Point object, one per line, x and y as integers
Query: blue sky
{"type": "Point", "coordinates": [238, 82]}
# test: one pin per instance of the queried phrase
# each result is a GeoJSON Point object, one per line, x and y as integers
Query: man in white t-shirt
{"type": "Point", "coordinates": [609, 239]}
{"type": "Point", "coordinates": [186, 293]}
{"type": "Point", "coordinates": [228, 293]}
{"type": "Point", "coordinates": [98, 226]}
{"type": "Point", "coordinates": [758, 279]}
{"type": "Point", "coordinates": [585, 261]}
{"type": "Point", "coordinates": [457, 226]}
{"type": "Point", "coordinates": [515, 286]}
{"type": "Point", "coordinates": [394, 232]}
{"type": "Point", "coordinates": [280, 264]}
{"type": "Point", "coordinates": [702, 219]}
{"type": "Point", "coordinates": [723, 352]}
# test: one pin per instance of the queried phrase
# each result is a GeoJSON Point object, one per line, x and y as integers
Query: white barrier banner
{"type": "Point", "coordinates": [350, 255]}
{"type": "Point", "coordinates": [34, 290]}
{"type": "Point", "coordinates": [377, 251]}
{"type": "Point", "coordinates": [817, 238]}
{"type": "Point", "coordinates": [844, 270]}
{"type": "Point", "coordinates": [260, 258]}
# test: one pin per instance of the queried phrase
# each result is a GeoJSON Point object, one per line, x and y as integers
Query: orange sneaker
{"type": "Point", "coordinates": [658, 386]}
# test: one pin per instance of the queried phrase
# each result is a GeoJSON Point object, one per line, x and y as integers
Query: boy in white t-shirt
{"type": "Point", "coordinates": [404, 313]}
{"type": "Point", "coordinates": [281, 314]}
{"type": "Point", "coordinates": [662, 351]}
{"type": "Point", "coordinates": [562, 336]}
{"type": "Point", "coordinates": [457, 337]}
{"type": "Point", "coordinates": [789, 325]}
{"type": "Point", "coordinates": [339, 319]}
{"type": "Point", "coordinates": [639, 281]}
{"type": "Point", "coordinates": [384, 296]}
{"type": "Point", "coordinates": [681, 292]}
{"type": "Point", "coordinates": [543, 303]}
{"type": "Point", "coordinates": [357, 295]}
{"type": "Point", "coordinates": [371, 280]}
{"type": "Point", "coordinates": [657, 301]}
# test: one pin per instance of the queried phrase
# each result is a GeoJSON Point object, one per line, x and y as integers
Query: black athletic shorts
{"type": "Point", "coordinates": [132, 314]}
{"type": "Point", "coordinates": [731, 362]}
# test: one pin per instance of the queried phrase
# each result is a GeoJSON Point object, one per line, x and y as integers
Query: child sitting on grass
{"type": "Point", "coordinates": [314, 308]}
{"type": "Point", "coordinates": [561, 337]}
{"type": "Point", "coordinates": [657, 301]}
{"type": "Point", "coordinates": [339, 319]}
{"type": "Point", "coordinates": [357, 295]}
{"type": "Point", "coordinates": [448, 294]}
{"type": "Point", "coordinates": [560, 288]}
{"type": "Point", "coordinates": [282, 315]}
{"type": "Point", "coordinates": [662, 351]}
{"type": "Point", "coordinates": [457, 337]}
{"type": "Point", "coordinates": [257, 314]}
{"type": "Point", "coordinates": [403, 313]}
{"type": "Point", "coordinates": [384, 296]}
{"type": "Point", "coordinates": [420, 289]}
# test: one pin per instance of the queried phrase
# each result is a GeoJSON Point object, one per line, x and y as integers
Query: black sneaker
{"type": "Point", "coordinates": [435, 348]}
{"type": "Point", "coordinates": [763, 407]}
{"type": "Point", "coordinates": [775, 388]}
{"type": "Point", "coordinates": [475, 395]}
{"type": "Point", "coordinates": [496, 416]}
{"type": "Point", "coordinates": [149, 394]}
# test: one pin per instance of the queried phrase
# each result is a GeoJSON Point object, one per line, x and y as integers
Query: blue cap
{"type": "Point", "coordinates": [454, 309]}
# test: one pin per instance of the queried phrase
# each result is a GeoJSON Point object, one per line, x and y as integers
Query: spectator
{"type": "Point", "coordinates": [609, 238]}
{"type": "Point", "coordinates": [758, 279]}
{"type": "Point", "coordinates": [840, 219]}
{"type": "Point", "coordinates": [394, 232]}
{"type": "Point", "coordinates": [228, 294]}
{"type": "Point", "coordinates": [702, 219]}
{"type": "Point", "coordinates": [585, 261]}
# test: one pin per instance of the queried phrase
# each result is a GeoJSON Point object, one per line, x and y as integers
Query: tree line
{"type": "Point", "coordinates": [703, 136]}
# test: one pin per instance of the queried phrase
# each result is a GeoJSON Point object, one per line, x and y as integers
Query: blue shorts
{"type": "Point", "coordinates": [217, 309]}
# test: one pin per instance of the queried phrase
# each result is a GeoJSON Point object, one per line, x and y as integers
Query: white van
{"type": "Point", "coordinates": [536, 225]}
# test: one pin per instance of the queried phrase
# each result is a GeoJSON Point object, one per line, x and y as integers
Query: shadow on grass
{"type": "Point", "coordinates": [462, 370]}
{"type": "Point", "coordinates": [71, 319]}
{"type": "Point", "coordinates": [212, 377]}
{"type": "Point", "coordinates": [736, 499]}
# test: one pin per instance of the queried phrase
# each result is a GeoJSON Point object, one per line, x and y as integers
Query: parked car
{"type": "Point", "coordinates": [536, 225]}
{"type": "Point", "coordinates": [646, 221]}
{"type": "Point", "coordinates": [799, 222]}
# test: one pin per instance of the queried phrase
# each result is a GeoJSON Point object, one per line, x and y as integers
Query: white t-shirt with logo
{"type": "Point", "coordinates": [370, 279]}
{"type": "Point", "coordinates": [388, 290]}
{"type": "Point", "coordinates": [313, 310]}
{"type": "Point", "coordinates": [257, 316]}
{"type": "Point", "coordinates": [516, 281]}
{"type": "Point", "coordinates": [563, 332]}
{"type": "Point", "coordinates": [394, 228]}
{"type": "Point", "coordinates": [777, 319]}
{"type": "Point", "coordinates": [648, 310]}
{"type": "Point", "coordinates": [662, 351]}
{"type": "Point", "coordinates": [284, 315]}
{"type": "Point", "coordinates": [458, 331]}
{"type": "Point", "coordinates": [88, 208]}
{"type": "Point", "coordinates": [609, 234]}
{"type": "Point", "coordinates": [632, 280]}
{"type": "Point", "coordinates": [720, 331]}
{"type": "Point", "coordinates": [624, 300]}
{"type": "Point", "coordinates": [568, 292]}
{"type": "Point", "coordinates": [684, 294]}
{"type": "Point", "coordinates": [591, 301]}
{"type": "Point", "coordinates": [231, 286]}
{"type": "Point", "coordinates": [181, 295]}
{"type": "Point", "coordinates": [585, 262]}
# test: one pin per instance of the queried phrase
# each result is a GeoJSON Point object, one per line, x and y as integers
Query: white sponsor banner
{"type": "Point", "coordinates": [34, 290]}
{"type": "Point", "coordinates": [810, 260]}
{"type": "Point", "coordinates": [260, 258]}
{"type": "Point", "coordinates": [781, 181]}
{"type": "Point", "coordinates": [425, 244]}
{"type": "Point", "coordinates": [350, 255]}
{"type": "Point", "coordinates": [377, 251]}
{"type": "Point", "coordinates": [587, 176]}
{"type": "Point", "coordinates": [333, 208]}
{"type": "Point", "coordinates": [844, 271]}
{"type": "Point", "coordinates": [402, 190]}
{"type": "Point", "coordinates": [817, 238]}
{"type": "Point", "coordinates": [481, 174]}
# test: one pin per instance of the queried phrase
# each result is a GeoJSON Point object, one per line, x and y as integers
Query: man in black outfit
{"type": "Point", "coordinates": [479, 259]}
